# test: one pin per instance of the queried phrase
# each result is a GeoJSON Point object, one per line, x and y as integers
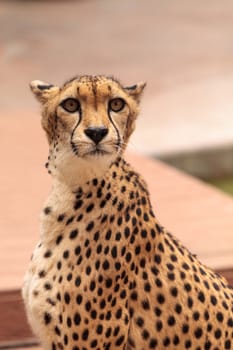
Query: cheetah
{"type": "Point", "coordinates": [106, 274]}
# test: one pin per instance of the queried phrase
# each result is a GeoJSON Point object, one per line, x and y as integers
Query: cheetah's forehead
{"type": "Point", "coordinates": [87, 85]}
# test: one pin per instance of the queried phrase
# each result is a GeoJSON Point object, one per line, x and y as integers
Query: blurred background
{"type": "Point", "coordinates": [183, 49]}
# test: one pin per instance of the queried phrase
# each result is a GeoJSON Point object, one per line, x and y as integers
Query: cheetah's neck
{"type": "Point", "coordinates": [116, 194]}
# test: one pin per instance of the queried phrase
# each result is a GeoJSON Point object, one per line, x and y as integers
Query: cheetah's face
{"type": "Point", "coordinates": [88, 120]}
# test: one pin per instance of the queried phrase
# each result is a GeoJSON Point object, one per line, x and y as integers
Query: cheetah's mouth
{"type": "Point", "coordinates": [97, 152]}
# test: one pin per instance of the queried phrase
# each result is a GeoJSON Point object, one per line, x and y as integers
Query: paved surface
{"type": "Point", "coordinates": [183, 49]}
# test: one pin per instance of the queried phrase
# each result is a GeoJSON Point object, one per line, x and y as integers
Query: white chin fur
{"type": "Point", "coordinates": [74, 171]}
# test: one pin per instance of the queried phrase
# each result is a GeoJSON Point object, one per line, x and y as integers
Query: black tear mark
{"type": "Point", "coordinates": [73, 145]}
{"type": "Point", "coordinates": [117, 131]}
{"type": "Point", "coordinates": [45, 87]}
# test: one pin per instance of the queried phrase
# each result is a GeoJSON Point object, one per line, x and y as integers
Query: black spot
{"type": "Point", "coordinates": [176, 340]}
{"type": "Point", "coordinates": [159, 325]}
{"type": "Point", "coordinates": [207, 345]}
{"type": "Point", "coordinates": [78, 281]}
{"type": "Point", "coordinates": [88, 306]}
{"type": "Point", "coordinates": [79, 299]}
{"type": "Point", "coordinates": [128, 257]}
{"type": "Point", "coordinates": [66, 254]}
{"type": "Point", "coordinates": [70, 220]}
{"type": "Point", "coordinates": [219, 316]}
{"type": "Point", "coordinates": [47, 210]}
{"type": "Point", "coordinates": [108, 235]}
{"type": "Point", "coordinates": [160, 299]}
{"type": "Point", "coordinates": [99, 329]}
{"type": "Point", "coordinates": [47, 318]}
{"type": "Point", "coordinates": [166, 341]}
{"type": "Point", "coordinates": [187, 287]}
{"type": "Point", "coordinates": [88, 253]}
{"type": "Point", "coordinates": [213, 300]}
{"type": "Point", "coordinates": [75, 337]}
{"type": "Point", "coordinates": [120, 340]}
{"type": "Point", "coordinates": [77, 318]}
{"type": "Point", "coordinates": [198, 333]}
{"type": "Point", "coordinates": [171, 276]}
{"type": "Point", "coordinates": [69, 322]}
{"type": "Point", "coordinates": [102, 203]}
{"type": "Point", "coordinates": [114, 252]}
{"type": "Point", "coordinates": [134, 295]}
{"type": "Point", "coordinates": [145, 334]}
{"type": "Point", "coordinates": [145, 305]}
{"type": "Point", "coordinates": [188, 344]}
{"type": "Point", "coordinates": [108, 282]}
{"type": "Point", "coordinates": [230, 322]}
{"type": "Point", "coordinates": [85, 334]}
{"type": "Point", "coordinates": [106, 265]}
{"type": "Point", "coordinates": [140, 322]}
{"type": "Point", "coordinates": [67, 298]}
{"type": "Point", "coordinates": [218, 333]}
{"type": "Point", "coordinates": [201, 297]}
{"type": "Point", "coordinates": [161, 247]}
{"type": "Point", "coordinates": [143, 233]}
{"type": "Point", "coordinates": [127, 232]}
{"type": "Point", "coordinates": [79, 218]}
{"type": "Point", "coordinates": [95, 182]}
{"type": "Point", "coordinates": [153, 343]}
{"type": "Point", "coordinates": [147, 287]}
{"type": "Point", "coordinates": [118, 236]}
{"type": "Point", "coordinates": [148, 247]}
{"type": "Point", "coordinates": [57, 330]}
{"type": "Point", "coordinates": [90, 208]}
{"type": "Point", "coordinates": [227, 344]}
{"type": "Point", "coordinates": [41, 274]}
{"type": "Point", "coordinates": [171, 321]}
{"type": "Point", "coordinates": [73, 234]}
{"type": "Point", "coordinates": [90, 226]}
{"type": "Point", "coordinates": [178, 308]}
{"type": "Point", "coordinates": [157, 259]}
{"type": "Point", "coordinates": [93, 314]}
{"type": "Point", "coordinates": [47, 254]}
{"type": "Point", "coordinates": [94, 343]}
{"type": "Point", "coordinates": [59, 239]}
{"type": "Point", "coordinates": [185, 328]}
{"type": "Point", "coordinates": [190, 302]}
{"type": "Point", "coordinates": [78, 204]}
{"type": "Point", "coordinates": [174, 291]}
{"type": "Point", "coordinates": [61, 217]}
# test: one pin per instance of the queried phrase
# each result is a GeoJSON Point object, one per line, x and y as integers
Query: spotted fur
{"type": "Point", "coordinates": [106, 274]}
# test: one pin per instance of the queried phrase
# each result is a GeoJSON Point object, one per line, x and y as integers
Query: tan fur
{"type": "Point", "coordinates": [105, 274]}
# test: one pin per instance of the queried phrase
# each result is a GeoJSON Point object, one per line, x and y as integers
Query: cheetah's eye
{"type": "Point", "coordinates": [71, 105]}
{"type": "Point", "coordinates": [116, 104]}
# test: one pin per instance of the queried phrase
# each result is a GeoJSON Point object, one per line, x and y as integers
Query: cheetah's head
{"type": "Point", "coordinates": [88, 122]}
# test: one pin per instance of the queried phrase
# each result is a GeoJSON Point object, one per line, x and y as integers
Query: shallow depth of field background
{"type": "Point", "coordinates": [183, 49]}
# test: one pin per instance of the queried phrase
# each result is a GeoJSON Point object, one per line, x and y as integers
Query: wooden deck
{"type": "Point", "coordinates": [198, 214]}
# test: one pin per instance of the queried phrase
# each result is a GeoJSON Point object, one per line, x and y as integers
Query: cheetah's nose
{"type": "Point", "coordinates": [96, 134]}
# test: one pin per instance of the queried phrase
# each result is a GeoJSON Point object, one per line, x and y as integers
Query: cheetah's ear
{"type": "Point", "coordinates": [136, 90]}
{"type": "Point", "coordinates": [43, 91]}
